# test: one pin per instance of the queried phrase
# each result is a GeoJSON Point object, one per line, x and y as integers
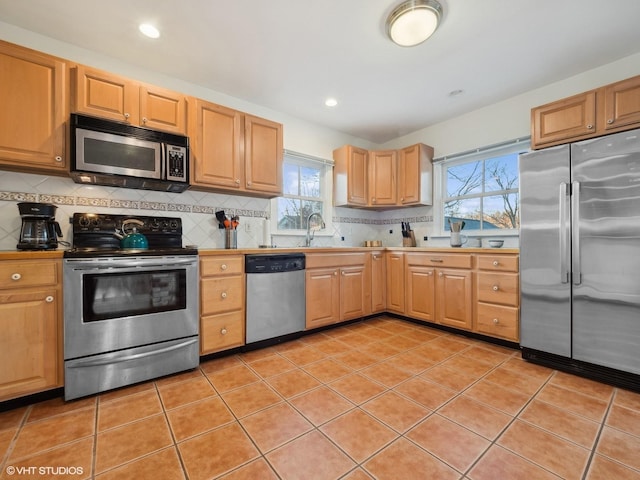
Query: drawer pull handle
{"type": "Point", "coordinates": [496, 321]}
{"type": "Point", "coordinates": [223, 266]}
{"type": "Point", "coordinates": [15, 277]}
{"type": "Point", "coordinates": [496, 263]}
{"type": "Point", "coordinates": [223, 294]}
{"type": "Point", "coordinates": [436, 260]}
{"type": "Point", "coordinates": [223, 331]}
{"type": "Point", "coordinates": [496, 288]}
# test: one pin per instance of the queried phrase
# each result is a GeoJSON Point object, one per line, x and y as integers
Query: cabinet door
{"type": "Point", "coordinates": [383, 167]}
{"type": "Point", "coordinates": [215, 155]}
{"type": "Point", "coordinates": [421, 293]}
{"type": "Point", "coordinates": [453, 298]}
{"type": "Point", "coordinates": [352, 292]}
{"type": "Point", "coordinates": [378, 282]}
{"type": "Point", "coordinates": [622, 104]}
{"type": "Point", "coordinates": [29, 341]}
{"type": "Point", "coordinates": [323, 297]}
{"type": "Point", "coordinates": [105, 95]}
{"type": "Point", "coordinates": [395, 283]}
{"type": "Point", "coordinates": [34, 110]}
{"type": "Point", "coordinates": [564, 120]}
{"type": "Point", "coordinates": [163, 109]}
{"type": "Point", "coordinates": [263, 155]}
{"type": "Point", "coordinates": [415, 175]}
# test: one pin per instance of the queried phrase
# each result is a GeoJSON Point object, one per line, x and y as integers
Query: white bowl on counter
{"type": "Point", "coordinates": [495, 243]}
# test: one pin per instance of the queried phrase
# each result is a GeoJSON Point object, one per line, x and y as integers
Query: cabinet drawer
{"type": "Point", "coordinates": [499, 263]}
{"type": "Point", "coordinates": [498, 288]}
{"type": "Point", "coordinates": [447, 260]}
{"type": "Point", "coordinates": [221, 265]}
{"type": "Point", "coordinates": [221, 332]}
{"type": "Point", "coordinates": [498, 321]}
{"type": "Point", "coordinates": [221, 294]}
{"type": "Point", "coordinates": [28, 274]}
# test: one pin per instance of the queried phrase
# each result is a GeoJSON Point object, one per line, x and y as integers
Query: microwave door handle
{"type": "Point", "coordinates": [163, 161]}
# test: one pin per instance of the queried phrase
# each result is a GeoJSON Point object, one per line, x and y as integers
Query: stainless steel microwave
{"type": "Point", "coordinates": [109, 153]}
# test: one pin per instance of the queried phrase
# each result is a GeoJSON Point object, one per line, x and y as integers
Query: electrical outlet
{"type": "Point", "coordinates": [342, 238]}
{"type": "Point", "coordinates": [247, 227]}
{"type": "Point", "coordinates": [425, 238]}
{"type": "Point", "coordinates": [390, 231]}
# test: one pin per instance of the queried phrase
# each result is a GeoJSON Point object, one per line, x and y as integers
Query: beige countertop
{"type": "Point", "coordinates": [52, 254]}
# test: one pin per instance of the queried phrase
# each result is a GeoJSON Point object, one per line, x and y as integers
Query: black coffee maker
{"type": "Point", "coordinates": [39, 231]}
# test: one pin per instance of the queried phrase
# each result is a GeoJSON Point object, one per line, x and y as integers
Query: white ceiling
{"type": "Point", "coordinates": [289, 55]}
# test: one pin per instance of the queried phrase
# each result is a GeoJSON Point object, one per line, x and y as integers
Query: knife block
{"type": "Point", "coordinates": [409, 241]}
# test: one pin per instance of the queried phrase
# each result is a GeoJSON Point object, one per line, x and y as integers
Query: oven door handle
{"type": "Point", "coordinates": [127, 358]}
{"type": "Point", "coordinates": [129, 264]}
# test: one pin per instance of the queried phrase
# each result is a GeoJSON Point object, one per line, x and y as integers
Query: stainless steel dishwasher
{"type": "Point", "coordinates": [275, 295]}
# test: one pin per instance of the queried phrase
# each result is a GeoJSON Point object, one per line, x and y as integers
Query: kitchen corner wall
{"type": "Point", "coordinates": [351, 227]}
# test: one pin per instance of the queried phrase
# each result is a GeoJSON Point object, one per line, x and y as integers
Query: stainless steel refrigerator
{"type": "Point", "coordinates": [580, 257]}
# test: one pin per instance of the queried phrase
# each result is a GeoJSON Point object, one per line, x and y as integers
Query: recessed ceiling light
{"type": "Point", "coordinates": [149, 30]}
{"type": "Point", "coordinates": [331, 102]}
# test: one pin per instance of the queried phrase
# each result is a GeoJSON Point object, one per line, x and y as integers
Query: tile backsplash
{"type": "Point", "coordinates": [350, 227]}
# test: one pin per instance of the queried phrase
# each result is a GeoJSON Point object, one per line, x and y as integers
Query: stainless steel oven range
{"type": "Point", "coordinates": [129, 314]}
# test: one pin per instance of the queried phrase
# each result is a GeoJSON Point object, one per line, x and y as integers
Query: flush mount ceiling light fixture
{"type": "Point", "coordinates": [149, 30]}
{"type": "Point", "coordinates": [413, 21]}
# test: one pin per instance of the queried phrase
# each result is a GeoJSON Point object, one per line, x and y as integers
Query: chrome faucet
{"type": "Point", "coordinates": [310, 233]}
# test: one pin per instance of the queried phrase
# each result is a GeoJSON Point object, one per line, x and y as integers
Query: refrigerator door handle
{"type": "Point", "coordinates": [564, 232]}
{"type": "Point", "coordinates": [575, 227]}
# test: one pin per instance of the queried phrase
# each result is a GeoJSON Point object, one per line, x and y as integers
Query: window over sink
{"type": "Point", "coordinates": [306, 186]}
{"type": "Point", "coordinates": [481, 188]}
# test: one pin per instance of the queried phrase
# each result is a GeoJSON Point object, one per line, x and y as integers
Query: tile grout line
{"type": "Point", "coordinates": [592, 453]}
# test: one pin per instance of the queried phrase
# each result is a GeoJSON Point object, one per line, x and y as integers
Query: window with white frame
{"type": "Point", "coordinates": [481, 189]}
{"type": "Point", "coordinates": [306, 188]}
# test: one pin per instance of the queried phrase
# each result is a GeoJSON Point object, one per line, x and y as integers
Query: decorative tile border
{"type": "Point", "coordinates": [180, 207]}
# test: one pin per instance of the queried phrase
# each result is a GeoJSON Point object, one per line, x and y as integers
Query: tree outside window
{"type": "Point", "coordinates": [302, 195]}
{"type": "Point", "coordinates": [483, 193]}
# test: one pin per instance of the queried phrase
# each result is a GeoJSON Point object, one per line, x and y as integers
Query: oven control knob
{"type": "Point", "coordinates": [84, 221]}
{"type": "Point", "coordinates": [173, 224]}
{"type": "Point", "coordinates": [155, 223]}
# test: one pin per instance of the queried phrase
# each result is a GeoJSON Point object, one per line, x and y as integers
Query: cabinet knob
{"type": "Point", "coordinates": [441, 274]}
{"type": "Point", "coordinates": [48, 299]}
{"type": "Point", "coordinates": [589, 127]}
{"type": "Point", "coordinates": [335, 274]}
{"type": "Point", "coordinates": [126, 115]}
{"type": "Point", "coordinates": [249, 184]}
{"type": "Point", "coordinates": [375, 257]}
{"type": "Point", "coordinates": [402, 199]}
{"type": "Point", "coordinates": [373, 200]}
{"type": "Point", "coordinates": [429, 274]}
{"type": "Point", "coordinates": [223, 266]}
{"type": "Point", "coordinates": [496, 321]}
{"type": "Point", "coordinates": [223, 294]}
{"type": "Point", "coordinates": [610, 121]}
{"type": "Point", "coordinates": [496, 263]}
{"type": "Point", "coordinates": [144, 119]}
{"type": "Point", "coordinates": [58, 158]}
{"type": "Point", "coordinates": [237, 181]}
{"type": "Point", "coordinates": [16, 276]}
{"type": "Point", "coordinates": [223, 331]}
{"type": "Point", "coordinates": [343, 273]}
{"type": "Point", "coordinates": [495, 288]}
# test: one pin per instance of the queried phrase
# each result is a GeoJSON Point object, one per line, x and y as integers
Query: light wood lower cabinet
{"type": "Point", "coordinates": [378, 282]}
{"type": "Point", "coordinates": [395, 282]}
{"type": "Point", "coordinates": [30, 327]}
{"type": "Point", "coordinates": [222, 303]}
{"type": "Point", "coordinates": [440, 295]}
{"type": "Point", "coordinates": [338, 288]}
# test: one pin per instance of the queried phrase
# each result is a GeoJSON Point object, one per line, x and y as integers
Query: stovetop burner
{"type": "Point", "coordinates": [94, 235]}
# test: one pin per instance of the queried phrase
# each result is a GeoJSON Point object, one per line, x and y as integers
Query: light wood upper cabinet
{"type": "Point", "coordinates": [30, 326]}
{"type": "Point", "coordinates": [234, 152]}
{"type": "Point", "coordinates": [103, 94]}
{"type": "Point", "coordinates": [350, 176]}
{"type": "Point", "coordinates": [263, 153]}
{"type": "Point", "coordinates": [383, 168]}
{"type": "Point", "coordinates": [384, 178]}
{"type": "Point", "coordinates": [622, 104]}
{"type": "Point", "coordinates": [215, 134]}
{"type": "Point", "coordinates": [34, 110]}
{"type": "Point", "coordinates": [608, 109]}
{"type": "Point", "coordinates": [415, 175]}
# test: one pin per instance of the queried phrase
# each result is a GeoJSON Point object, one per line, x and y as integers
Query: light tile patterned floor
{"type": "Point", "coordinates": [383, 399]}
